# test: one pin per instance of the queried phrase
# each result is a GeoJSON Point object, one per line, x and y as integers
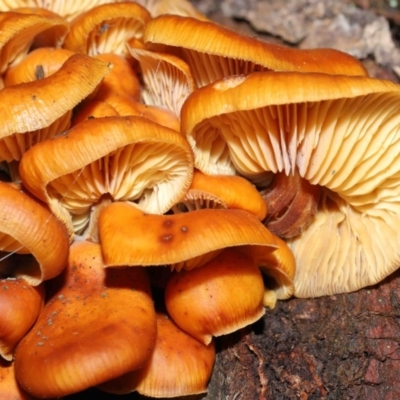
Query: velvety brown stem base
{"type": "Point", "coordinates": [292, 202]}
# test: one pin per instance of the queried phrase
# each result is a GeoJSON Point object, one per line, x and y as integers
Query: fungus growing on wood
{"type": "Point", "coordinates": [97, 325]}
{"type": "Point", "coordinates": [337, 132]}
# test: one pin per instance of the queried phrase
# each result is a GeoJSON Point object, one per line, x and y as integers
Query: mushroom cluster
{"type": "Point", "coordinates": [164, 180]}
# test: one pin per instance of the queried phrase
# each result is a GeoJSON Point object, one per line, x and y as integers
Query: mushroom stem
{"type": "Point", "coordinates": [292, 203]}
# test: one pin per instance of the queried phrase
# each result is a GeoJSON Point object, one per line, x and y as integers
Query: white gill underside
{"type": "Point", "coordinates": [14, 146]}
{"type": "Point", "coordinates": [359, 250]}
{"type": "Point", "coordinates": [165, 84]}
{"type": "Point", "coordinates": [350, 146]}
{"type": "Point", "coordinates": [151, 175]}
{"type": "Point", "coordinates": [111, 36]}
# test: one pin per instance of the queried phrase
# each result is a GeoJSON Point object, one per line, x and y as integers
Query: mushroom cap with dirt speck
{"type": "Point", "coordinates": [38, 64]}
{"type": "Point", "coordinates": [338, 132]}
{"type": "Point", "coordinates": [97, 325]}
{"type": "Point", "coordinates": [17, 32]}
{"type": "Point", "coordinates": [106, 28]}
{"type": "Point", "coordinates": [34, 111]}
{"type": "Point", "coordinates": [189, 240]}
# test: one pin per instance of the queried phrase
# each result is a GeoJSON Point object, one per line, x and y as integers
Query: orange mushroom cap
{"type": "Point", "coordinates": [27, 227]}
{"type": "Point", "coordinates": [227, 191]}
{"type": "Point", "coordinates": [220, 297]}
{"type": "Point", "coordinates": [106, 27]}
{"type": "Point", "coordinates": [17, 32]}
{"type": "Point", "coordinates": [128, 236]}
{"type": "Point", "coordinates": [38, 64]}
{"type": "Point", "coordinates": [37, 111]}
{"type": "Point", "coordinates": [20, 305]}
{"type": "Point", "coordinates": [125, 158]}
{"type": "Point", "coordinates": [179, 365]}
{"type": "Point", "coordinates": [213, 51]}
{"type": "Point", "coordinates": [338, 132]}
{"type": "Point", "coordinates": [98, 325]}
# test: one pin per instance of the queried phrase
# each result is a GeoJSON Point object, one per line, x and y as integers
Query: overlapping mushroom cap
{"type": "Point", "coordinates": [125, 158]}
{"type": "Point", "coordinates": [106, 28]}
{"type": "Point", "coordinates": [179, 365]}
{"type": "Point", "coordinates": [222, 191]}
{"type": "Point", "coordinates": [97, 325]}
{"type": "Point", "coordinates": [29, 228]}
{"type": "Point", "coordinates": [338, 132]}
{"type": "Point", "coordinates": [213, 51]}
{"type": "Point", "coordinates": [18, 30]}
{"type": "Point", "coordinates": [190, 240]}
{"type": "Point", "coordinates": [35, 110]}
{"type": "Point", "coordinates": [20, 305]}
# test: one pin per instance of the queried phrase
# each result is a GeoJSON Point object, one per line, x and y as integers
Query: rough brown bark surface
{"type": "Point", "coordinates": [338, 347]}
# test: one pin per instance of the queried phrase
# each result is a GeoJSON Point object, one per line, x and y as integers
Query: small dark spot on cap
{"type": "Point", "coordinates": [184, 229]}
{"type": "Point", "coordinates": [168, 223]}
{"type": "Point", "coordinates": [33, 97]}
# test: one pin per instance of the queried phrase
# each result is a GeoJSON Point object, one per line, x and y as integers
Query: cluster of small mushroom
{"type": "Point", "coordinates": [132, 138]}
